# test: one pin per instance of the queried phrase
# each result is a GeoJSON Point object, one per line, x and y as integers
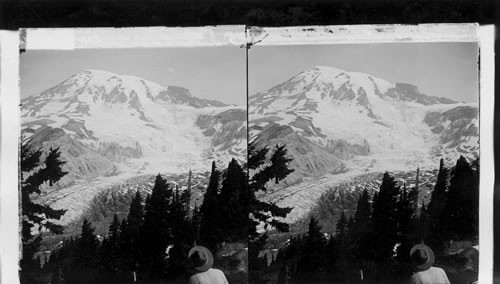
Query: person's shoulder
{"type": "Point", "coordinates": [440, 271]}
{"type": "Point", "coordinates": [215, 270]}
{"type": "Point", "coordinates": [437, 269]}
{"type": "Point", "coordinates": [218, 272]}
{"type": "Point", "coordinates": [194, 279]}
{"type": "Point", "coordinates": [195, 275]}
{"type": "Point", "coordinates": [415, 278]}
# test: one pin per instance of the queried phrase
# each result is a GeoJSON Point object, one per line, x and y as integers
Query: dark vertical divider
{"type": "Point", "coordinates": [496, 151]}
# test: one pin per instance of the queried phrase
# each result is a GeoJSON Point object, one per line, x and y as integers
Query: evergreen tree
{"type": "Point", "coordinates": [417, 178]}
{"type": "Point", "coordinates": [235, 211]}
{"type": "Point", "coordinates": [361, 230]}
{"type": "Point", "coordinates": [277, 168]}
{"type": "Point", "coordinates": [37, 263]}
{"type": "Point", "coordinates": [196, 223]}
{"type": "Point", "coordinates": [114, 247]}
{"type": "Point", "coordinates": [105, 256]}
{"type": "Point", "coordinates": [129, 252]}
{"type": "Point", "coordinates": [114, 230]}
{"type": "Point", "coordinates": [374, 205]}
{"type": "Point", "coordinates": [462, 202]}
{"type": "Point", "coordinates": [182, 237]}
{"type": "Point", "coordinates": [350, 228]}
{"type": "Point", "coordinates": [186, 194]}
{"type": "Point", "coordinates": [363, 210]}
{"type": "Point", "coordinates": [341, 230]}
{"type": "Point", "coordinates": [332, 254]}
{"type": "Point", "coordinates": [58, 276]}
{"type": "Point", "coordinates": [130, 237]}
{"type": "Point", "coordinates": [147, 202]}
{"type": "Point", "coordinates": [255, 266]}
{"type": "Point", "coordinates": [405, 231]}
{"type": "Point", "coordinates": [436, 223]}
{"type": "Point", "coordinates": [87, 246]}
{"type": "Point", "coordinates": [211, 218]}
{"type": "Point", "coordinates": [312, 258]}
{"type": "Point", "coordinates": [156, 234]}
{"type": "Point", "coordinates": [405, 213]}
{"type": "Point", "coordinates": [423, 221]}
{"type": "Point", "coordinates": [385, 223]}
{"type": "Point", "coordinates": [53, 167]}
{"type": "Point", "coordinates": [344, 237]}
{"type": "Point", "coordinates": [414, 230]}
{"type": "Point", "coordinates": [413, 195]}
{"type": "Point", "coordinates": [34, 173]}
{"type": "Point", "coordinates": [135, 217]}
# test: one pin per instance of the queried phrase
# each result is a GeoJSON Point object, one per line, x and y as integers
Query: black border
{"type": "Point", "coordinates": [16, 14]}
{"type": "Point", "coordinates": [121, 13]}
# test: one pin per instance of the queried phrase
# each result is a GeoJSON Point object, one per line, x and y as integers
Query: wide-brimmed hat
{"type": "Point", "coordinates": [423, 255]}
{"type": "Point", "coordinates": [201, 258]}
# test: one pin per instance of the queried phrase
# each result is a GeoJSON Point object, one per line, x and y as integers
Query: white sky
{"type": "Point", "coordinates": [437, 69]}
{"type": "Point", "coordinates": [208, 72]}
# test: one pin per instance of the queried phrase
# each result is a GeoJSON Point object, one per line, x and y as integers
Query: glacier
{"type": "Point", "coordinates": [338, 125]}
{"type": "Point", "coordinates": [112, 127]}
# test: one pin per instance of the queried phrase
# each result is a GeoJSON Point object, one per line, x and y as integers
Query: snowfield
{"type": "Point", "coordinates": [362, 123]}
{"type": "Point", "coordinates": [113, 127]}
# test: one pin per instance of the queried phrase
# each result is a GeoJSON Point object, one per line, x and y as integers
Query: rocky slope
{"type": "Point", "coordinates": [111, 128]}
{"type": "Point", "coordinates": [338, 125]}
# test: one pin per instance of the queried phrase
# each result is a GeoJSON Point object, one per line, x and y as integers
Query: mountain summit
{"type": "Point", "coordinates": [334, 121]}
{"type": "Point", "coordinates": [327, 84]}
{"type": "Point", "coordinates": [113, 127]}
{"type": "Point", "coordinates": [97, 86]}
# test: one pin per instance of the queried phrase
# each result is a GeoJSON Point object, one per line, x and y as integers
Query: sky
{"type": "Point", "coordinates": [437, 69]}
{"type": "Point", "coordinates": [208, 72]}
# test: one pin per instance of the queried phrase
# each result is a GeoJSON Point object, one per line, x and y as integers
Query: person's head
{"type": "Point", "coordinates": [200, 258]}
{"type": "Point", "coordinates": [422, 256]}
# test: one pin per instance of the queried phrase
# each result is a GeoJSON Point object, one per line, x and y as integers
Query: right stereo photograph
{"type": "Point", "coordinates": [365, 158]}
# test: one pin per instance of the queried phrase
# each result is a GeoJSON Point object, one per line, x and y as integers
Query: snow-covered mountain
{"type": "Point", "coordinates": [112, 127]}
{"type": "Point", "coordinates": [338, 125]}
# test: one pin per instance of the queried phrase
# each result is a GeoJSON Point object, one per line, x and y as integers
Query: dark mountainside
{"type": "Point", "coordinates": [372, 228]}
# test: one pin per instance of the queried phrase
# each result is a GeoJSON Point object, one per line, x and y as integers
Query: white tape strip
{"type": "Point", "coordinates": [50, 39]}
{"type": "Point", "coordinates": [367, 34]}
{"type": "Point", "coordinates": [10, 131]}
{"type": "Point", "coordinates": [487, 174]}
{"type": "Point", "coordinates": [134, 37]}
{"type": "Point", "coordinates": [68, 38]}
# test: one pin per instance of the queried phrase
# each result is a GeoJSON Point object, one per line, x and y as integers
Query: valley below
{"type": "Point", "coordinates": [304, 196]}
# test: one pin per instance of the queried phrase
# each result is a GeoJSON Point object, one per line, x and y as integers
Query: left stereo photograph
{"type": "Point", "coordinates": [133, 165]}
